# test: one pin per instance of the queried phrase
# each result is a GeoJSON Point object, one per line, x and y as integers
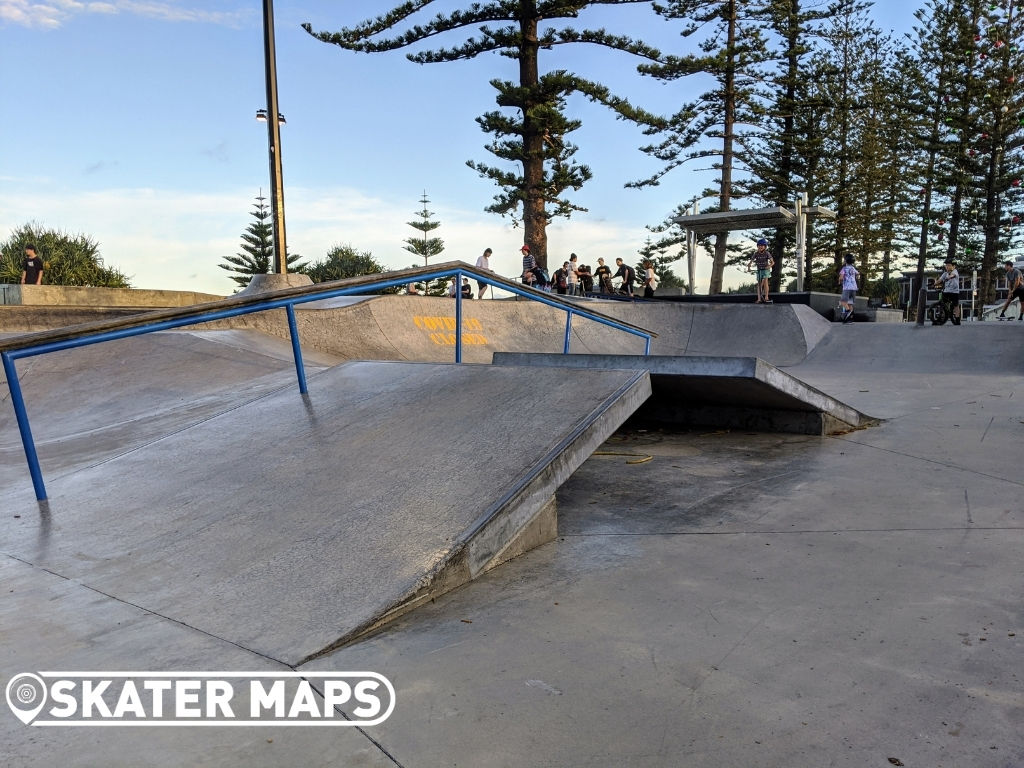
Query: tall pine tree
{"type": "Point", "coordinates": [712, 127]}
{"type": "Point", "coordinates": [258, 248]}
{"type": "Point", "coordinates": [535, 135]}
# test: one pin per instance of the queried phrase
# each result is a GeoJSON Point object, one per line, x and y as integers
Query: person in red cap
{"type": "Point", "coordinates": [529, 264]}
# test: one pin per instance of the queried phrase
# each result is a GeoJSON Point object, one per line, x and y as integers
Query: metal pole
{"type": "Point", "coordinates": [458, 317]}
{"type": "Point", "coordinates": [800, 235]}
{"type": "Point", "coordinates": [974, 292]}
{"type": "Point", "coordinates": [274, 141]}
{"type": "Point", "coordinates": [293, 329]}
{"type": "Point", "coordinates": [568, 331]}
{"type": "Point", "coordinates": [922, 300]}
{"type": "Point", "coordinates": [691, 254]}
{"type": "Point", "coordinates": [18, 401]}
{"type": "Point", "coordinates": [647, 346]}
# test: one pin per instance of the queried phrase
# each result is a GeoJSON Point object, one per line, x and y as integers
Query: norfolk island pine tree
{"type": "Point", "coordinates": [536, 137]}
{"type": "Point", "coordinates": [425, 246]}
{"type": "Point", "coordinates": [258, 247]}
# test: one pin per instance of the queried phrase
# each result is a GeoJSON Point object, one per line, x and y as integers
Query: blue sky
{"type": "Point", "coordinates": [133, 121]}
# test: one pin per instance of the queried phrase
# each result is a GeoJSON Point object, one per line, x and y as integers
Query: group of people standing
{"type": "Point", "coordinates": [575, 279]}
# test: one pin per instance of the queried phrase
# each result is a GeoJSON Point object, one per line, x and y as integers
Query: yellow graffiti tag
{"type": "Point", "coordinates": [442, 324]}
{"type": "Point", "coordinates": [448, 339]}
{"type": "Point", "coordinates": [445, 323]}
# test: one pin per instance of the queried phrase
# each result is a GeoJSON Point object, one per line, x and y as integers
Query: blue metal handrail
{"type": "Point", "coordinates": [162, 320]}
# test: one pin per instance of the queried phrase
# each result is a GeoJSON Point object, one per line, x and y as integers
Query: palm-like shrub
{"type": "Point", "coordinates": [67, 259]}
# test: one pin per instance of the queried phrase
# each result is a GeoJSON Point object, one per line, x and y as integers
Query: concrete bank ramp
{"type": "Point", "coordinates": [978, 347]}
{"type": "Point", "coordinates": [732, 392]}
{"type": "Point", "coordinates": [422, 328]}
{"type": "Point", "coordinates": [290, 525]}
{"type": "Point", "coordinates": [781, 334]}
{"type": "Point", "coordinates": [92, 403]}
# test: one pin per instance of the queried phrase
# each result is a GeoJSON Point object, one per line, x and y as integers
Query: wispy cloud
{"type": "Point", "coordinates": [53, 13]}
{"type": "Point", "coordinates": [99, 166]}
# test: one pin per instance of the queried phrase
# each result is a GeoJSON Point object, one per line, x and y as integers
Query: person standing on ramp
{"type": "Point", "coordinates": [484, 263]}
{"type": "Point", "coordinates": [950, 287]}
{"type": "Point", "coordinates": [763, 262]}
{"type": "Point", "coordinates": [848, 284]}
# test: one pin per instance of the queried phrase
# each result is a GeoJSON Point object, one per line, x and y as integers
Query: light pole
{"type": "Point", "coordinates": [274, 142]}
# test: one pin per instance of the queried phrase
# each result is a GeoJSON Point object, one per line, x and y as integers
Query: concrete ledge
{"type": "Point", "coordinates": [76, 296]}
{"type": "Point", "coordinates": [731, 392]}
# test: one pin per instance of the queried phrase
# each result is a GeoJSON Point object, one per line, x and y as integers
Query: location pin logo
{"type": "Point", "coordinates": [26, 695]}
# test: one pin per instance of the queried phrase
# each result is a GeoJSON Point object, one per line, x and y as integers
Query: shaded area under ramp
{"type": "Point", "coordinates": [730, 392]}
{"type": "Point", "coordinates": [290, 525]}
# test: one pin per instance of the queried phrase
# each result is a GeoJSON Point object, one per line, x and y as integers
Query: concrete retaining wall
{"type": "Point", "coordinates": [76, 296]}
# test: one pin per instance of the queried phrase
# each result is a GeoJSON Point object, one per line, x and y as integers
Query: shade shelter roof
{"type": "Point", "coordinates": [757, 218]}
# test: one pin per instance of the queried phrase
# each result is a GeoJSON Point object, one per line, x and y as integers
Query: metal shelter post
{"type": "Point", "coordinates": [801, 238]}
{"type": "Point", "coordinates": [691, 254]}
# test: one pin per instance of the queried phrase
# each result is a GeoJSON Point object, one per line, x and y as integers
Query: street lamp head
{"type": "Point", "coordinates": [281, 120]}
{"type": "Point", "coordinates": [261, 115]}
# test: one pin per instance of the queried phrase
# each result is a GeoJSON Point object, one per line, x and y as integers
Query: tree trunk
{"type": "Point", "coordinates": [788, 134]}
{"type": "Point", "coordinates": [535, 220]}
{"type": "Point", "coordinates": [922, 248]}
{"type": "Point", "coordinates": [725, 193]}
{"type": "Point", "coordinates": [992, 217]}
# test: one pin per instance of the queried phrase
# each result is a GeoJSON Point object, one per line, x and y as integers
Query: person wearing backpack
{"type": "Point", "coordinates": [650, 280]}
{"type": "Point", "coordinates": [560, 279]}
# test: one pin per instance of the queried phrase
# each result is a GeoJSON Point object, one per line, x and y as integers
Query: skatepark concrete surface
{"type": "Point", "coordinates": [716, 597]}
{"type": "Point", "coordinates": [735, 392]}
{"type": "Point", "coordinates": [377, 490]}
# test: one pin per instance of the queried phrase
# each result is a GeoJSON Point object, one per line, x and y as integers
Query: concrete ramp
{"type": "Point", "coordinates": [978, 347]}
{"type": "Point", "coordinates": [421, 328]}
{"type": "Point", "coordinates": [732, 392]}
{"type": "Point", "coordinates": [290, 525]}
{"type": "Point", "coordinates": [93, 403]}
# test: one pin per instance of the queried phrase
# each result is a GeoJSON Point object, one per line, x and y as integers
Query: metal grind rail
{"type": "Point", "coordinates": [32, 344]}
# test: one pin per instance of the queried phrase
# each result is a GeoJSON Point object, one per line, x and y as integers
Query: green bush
{"type": "Point", "coordinates": [345, 261]}
{"type": "Point", "coordinates": [67, 259]}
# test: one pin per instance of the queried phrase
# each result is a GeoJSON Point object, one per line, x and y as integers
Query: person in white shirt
{"type": "Point", "coordinates": [650, 280]}
{"type": "Point", "coordinates": [484, 262]}
{"type": "Point", "coordinates": [573, 276]}
{"type": "Point", "coordinates": [949, 282]}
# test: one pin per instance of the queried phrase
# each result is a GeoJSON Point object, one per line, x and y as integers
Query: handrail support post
{"type": "Point", "coordinates": [568, 331]}
{"type": "Point", "coordinates": [18, 401]}
{"type": "Point", "coordinates": [293, 330]}
{"type": "Point", "coordinates": [458, 316]}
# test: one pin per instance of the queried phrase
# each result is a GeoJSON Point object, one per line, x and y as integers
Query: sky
{"type": "Point", "coordinates": [133, 121]}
